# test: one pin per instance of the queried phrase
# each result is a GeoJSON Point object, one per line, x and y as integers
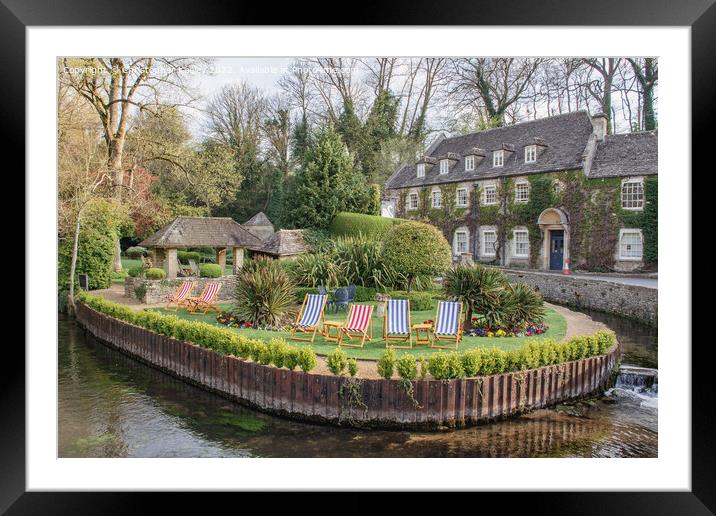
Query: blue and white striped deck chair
{"type": "Point", "coordinates": [310, 316]}
{"type": "Point", "coordinates": [448, 324]}
{"type": "Point", "coordinates": [396, 322]}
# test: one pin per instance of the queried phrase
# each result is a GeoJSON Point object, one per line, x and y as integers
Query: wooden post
{"type": "Point", "coordinates": [221, 258]}
{"type": "Point", "coordinates": [238, 259]}
{"type": "Point", "coordinates": [171, 263]}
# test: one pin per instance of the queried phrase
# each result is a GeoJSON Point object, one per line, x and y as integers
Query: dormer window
{"type": "Point", "coordinates": [498, 158]}
{"type": "Point", "coordinates": [469, 163]}
{"type": "Point", "coordinates": [530, 154]}
{"type": "Point", "coordinates": [421, 169]}
{"type": "Point", "coordinates": [444, 166]}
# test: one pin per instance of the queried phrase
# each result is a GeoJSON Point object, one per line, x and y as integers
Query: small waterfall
{"type": "Point", "coordinates": [641, 380]}
{"type": "Point", "coordinates": [638, 384]}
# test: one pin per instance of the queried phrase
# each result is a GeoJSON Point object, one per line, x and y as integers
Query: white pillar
{"type": "Point", "coordinates": [171, 263]}
{"type": "Point", "coordinates": [238, 259]}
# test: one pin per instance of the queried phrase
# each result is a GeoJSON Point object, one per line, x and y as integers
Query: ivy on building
{"type": "Point", "coordinates": [593, 207]}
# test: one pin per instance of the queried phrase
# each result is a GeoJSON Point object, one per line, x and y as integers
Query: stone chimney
{"type": "Point", "coordinates": [599, 125]}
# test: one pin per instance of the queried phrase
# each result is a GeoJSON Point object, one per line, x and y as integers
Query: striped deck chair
{"type": "Point", "coordinates": [311, 314]}
{"type": "Point", "coordinates": [358, 324]}
{"type": "Point", "coordinates": [206, 300]}
{"type": "Point", "coordinates": [448, 324]}
{"type": "Point", "coordinates": [181, 296]}
{"type": "Point", "coordinates": [396, 322]}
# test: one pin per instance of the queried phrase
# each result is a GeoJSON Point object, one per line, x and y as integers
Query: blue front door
{"type": "Point", "coordinates": [556, 248]}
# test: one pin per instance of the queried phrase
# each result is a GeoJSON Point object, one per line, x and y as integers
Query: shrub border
{"type": "Point", "coordinates": [318, 398]}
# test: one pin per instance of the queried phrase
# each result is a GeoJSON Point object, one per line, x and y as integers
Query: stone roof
{"type": "Point", "coordinates": [630, 154]}
{"type": "Point", "coordinates": [565, 137]}
{"type": "Point", "coordinates": [260, 219]}
{"type": "Point", "coordinates": [201, 232]}
{"type": "Point", "coordinates": [285, 242]}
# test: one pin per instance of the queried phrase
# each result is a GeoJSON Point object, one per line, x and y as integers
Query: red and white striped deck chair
{"type": "Point", "coordinates": [181, 296]}
{"type": "Point", "coordinates": [359, 324]}
{"type": "Point", "coordinates": [206, 300]}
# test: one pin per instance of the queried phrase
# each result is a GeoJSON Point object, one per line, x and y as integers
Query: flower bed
{"type": "Point", "coordinates": [526, 329]}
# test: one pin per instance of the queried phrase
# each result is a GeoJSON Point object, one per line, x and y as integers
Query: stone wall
{"type": "Point", "coordinates": [632, 301]}
{"type": "Point", "coordinates": [158, 291]}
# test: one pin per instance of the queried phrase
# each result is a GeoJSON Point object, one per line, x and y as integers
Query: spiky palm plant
{"type": "Point", "coordinates": [263, 293]}
{"type": "Point", "coordinates": [526, 304]}
{"type": "Point", "coordinates": [479, 288]}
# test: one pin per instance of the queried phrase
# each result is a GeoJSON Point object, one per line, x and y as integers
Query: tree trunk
{"type": "Point", "coordinates": [648, 105]}
{"type": "Point", "coordinates": [73, 266]}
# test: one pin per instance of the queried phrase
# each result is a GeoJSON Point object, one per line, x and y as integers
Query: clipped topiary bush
{"type": "Point", "coordinates": [155, 273]}
{"type": "Point", "coordinates": [185, 256]}
{"type": "Point", "coordinates": [337, 361]}
{"type": "Point", "coordinates": [386, 364]}
{"type": "Point", "coordinates": [354, 224]}
{"type": "Point", "coordinates": [136, 272]}
{"type": "Point", "coordinates": [210, 270]}
{"type": "Point", "coordinates": [136, 252]}
{"type": "Point", "coordinates": [414, 249]}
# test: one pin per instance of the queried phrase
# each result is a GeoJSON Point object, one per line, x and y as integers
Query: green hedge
{"type": "Point", "coordinates": [353, 224]}
{"type": "Point", "coordinates": [277, 352]}
{"type": "Point", "coordinates": [419, 301]}
{"type": "Point", "coordinates": [154, 273]}
{"type": "Point", "coordinates": [210, 270]}
{"type": "Point", "coordinates": [486, 362]}
{"type": "Point", "coordinates": [185, 256]}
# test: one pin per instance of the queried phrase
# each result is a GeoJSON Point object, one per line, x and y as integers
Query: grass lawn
{"type": "Point", "coordinates": [373, 350]}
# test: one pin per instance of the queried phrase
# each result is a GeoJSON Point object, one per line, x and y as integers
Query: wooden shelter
{"type": "Point", "coordinates": [220, 233]}
{"type": "Point", "coordinates": [260, 225]}
{"type": "Point", "coordinates": [285, 243]}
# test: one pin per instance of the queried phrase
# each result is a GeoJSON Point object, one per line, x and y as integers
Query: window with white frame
{"type": "Point", "coordinates": [522, 191]}
{"type": "Point", "coordinates": [530, 154]}
{"type": "Point", "coordinates": [489, 195]}
{"type": "Point", "coordinates": [437, 199]}
{"type": "Point", "coordinates": [444, 166]}
{"type": "Point", "coordinates": [633, 195]}
{"type": "Point", "coordinates": [421, 169]}
{"type": "Point", "coordinates": [489, 239]}
{"type": "Point", "coordinates": [413, 201]}
{"type": "Point", "coordinates": [461, 241]}
{"type": "Point", "coordinates": [522, 243]}
{"type": "Point", "coordinates": [498, 158]}
{"type": "Point", "coordinates": [630, 244]}
{"type": "Point", "coordinates": [461, 197]}
{"type": "Point", "coordinates": [469, 163]}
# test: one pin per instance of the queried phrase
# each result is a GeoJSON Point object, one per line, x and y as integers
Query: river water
{"type": "Point", "coordinates": [112, 406]}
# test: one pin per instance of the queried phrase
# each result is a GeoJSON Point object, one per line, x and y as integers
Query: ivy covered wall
{"type": "Point", "coordinates": [592, 205]}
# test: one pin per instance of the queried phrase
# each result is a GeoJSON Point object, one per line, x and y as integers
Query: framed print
{"type": "Point", "coordinates": [421, 253]}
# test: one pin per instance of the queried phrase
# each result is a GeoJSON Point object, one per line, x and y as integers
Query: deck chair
{"type": "Point", "coordinates": [194, 268]}
{"type": "Point", "coordinates": [309, 317]}
{"type": "Point", "coordinates": [181, 296]}
{"type": "Point", "coordinates": [147, 262]}
{"type": "Point", "coordinates": [184, 270]}
{"type": "Point", "coordinates": [396, 322]}
{"type": "Point", "coordinates": [448, 324]}
{"type": "Point", "coordinates": [358, 324]}
{"type": "Point", "coordinates": [205, 301]}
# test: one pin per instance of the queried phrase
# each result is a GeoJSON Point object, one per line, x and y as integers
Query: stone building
{"type": "Point", "coordinates": [284, 244]}
{"type": "Point", "coordinates": [260, 225]}
{"type": "Point", "coordinates": [537, 194]}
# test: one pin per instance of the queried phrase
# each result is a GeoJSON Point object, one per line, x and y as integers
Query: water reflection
{"type": "Point", "coordinates": [113, 406]}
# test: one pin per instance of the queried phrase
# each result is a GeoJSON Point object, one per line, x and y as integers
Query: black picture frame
{"type": "Point", "coordinates": [700, 15]}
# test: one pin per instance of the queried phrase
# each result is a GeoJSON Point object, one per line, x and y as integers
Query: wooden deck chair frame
{"type": "Point", "coordinates": [185, 270]}
{"type": "Point", "coordinates": [196, 303]}
{"type": "Point", "coordinates": [387, 337]}
{"type": "Point", "coordinates": [308, 329]}
{"type": "Point", "coordinates": [181, 302]}
{"type": "Point", "coordinates": [447, 338]}
{"type": "Point", "coordinates": [366, 334]}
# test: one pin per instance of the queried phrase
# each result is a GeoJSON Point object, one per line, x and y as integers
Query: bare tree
{"type": "Point", "coordinates": [117, 88]}
{"type": "Point", "coordinates": [646, 72]}
{"type": "Point", "coordinates": [601, 86]}
{"type": "Point", "coordinates": [491, 85]}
